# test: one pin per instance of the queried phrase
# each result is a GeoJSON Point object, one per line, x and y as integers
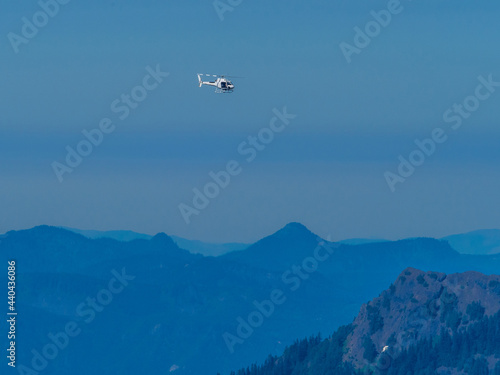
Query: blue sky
{"type": "Point", "coordinates": [325, 170]}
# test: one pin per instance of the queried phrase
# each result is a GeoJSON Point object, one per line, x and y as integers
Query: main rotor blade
{"type": "Point", "coordinates": [220, 76]}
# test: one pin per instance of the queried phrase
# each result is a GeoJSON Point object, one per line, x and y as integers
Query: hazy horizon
{"type": "Point", "coordinates": [327, 236]}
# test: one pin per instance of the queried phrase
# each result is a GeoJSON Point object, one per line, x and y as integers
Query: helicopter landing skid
{"type": "Point", "coordinates": [221, 91]}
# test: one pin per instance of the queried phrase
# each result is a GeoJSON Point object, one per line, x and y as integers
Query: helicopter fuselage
{"type": "Point", "coordinates": [221, 84]}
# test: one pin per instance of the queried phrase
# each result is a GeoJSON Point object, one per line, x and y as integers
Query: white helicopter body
{"type": "Point", "coordinates": [222, 84]}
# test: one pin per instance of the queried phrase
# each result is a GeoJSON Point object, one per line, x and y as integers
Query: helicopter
{"type": "Point", "coordinates": [222, 84]}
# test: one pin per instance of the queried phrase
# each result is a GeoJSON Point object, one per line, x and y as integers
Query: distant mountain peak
{"type": "Point", "coordinates": [295, 224]}
{"type": "Point", "coordinates": [281, 249]}
{"type": "Point", "coordinates": [294, 229]}
{"type": "Point", "coordinates": [162, 238]}
{"type": "Point", "coordinates": [46, 231]}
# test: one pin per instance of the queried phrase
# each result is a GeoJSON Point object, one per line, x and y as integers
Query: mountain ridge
{"type": "Point", "coordinates": [187, 301]}
{"type": "Point", "coordinates": [477, 242]}
{"type": "Point", "coordinates": [193, 246]}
